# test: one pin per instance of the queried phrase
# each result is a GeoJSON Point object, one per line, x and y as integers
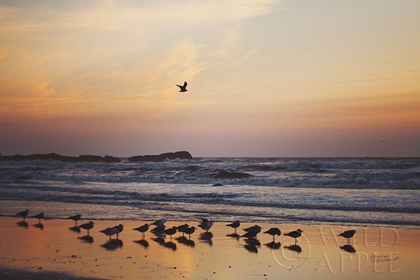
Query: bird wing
{"type": "Point", "coordinates": [185, 85]}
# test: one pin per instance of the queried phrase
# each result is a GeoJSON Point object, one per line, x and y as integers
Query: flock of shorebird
{"type": "Point", "coordinates": [160, 229]}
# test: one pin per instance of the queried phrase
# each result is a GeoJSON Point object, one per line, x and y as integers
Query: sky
{"type": "Point", "coordinates": [267, 78]}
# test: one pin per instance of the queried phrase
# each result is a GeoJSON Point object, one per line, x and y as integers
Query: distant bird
{"type": "Point", "coordinates": [234, 225]}
{"type": "Point", "coordinates": [182, 228]}
{"type": "Point", "coordinates": [189, 231]}
{"type": "Point", "coordinates": [75, 218]}
{"type": "Point", "coordinates": [39, 217]}
{"type": "Point", "coordinates": [255, 228]}
{"type": "Point", "coordinates": [110, 231]}
{"type": "Point", "coordinates": [23, 214]}
{"type": "Point", "coordinates": [273, 231]}
{"type": "Point", "coordinates": [87, 226]}
{"type": "Point", "coordinates": [170, 231]}
{"type": "Point", "coordinates": [119, 229]}
{"type": "Point", "coordinates": [295, 234]}
{"type": "Point", "coordinates": [159, 223]}
{"type": "Point", "coordinates": [206, 224]}
{"type": "Point", "coordinates": [348, 234]}
{"type": "Point", "coordinates": [183, 88]}
{"type": "Point", "coordinates": [143, 229]}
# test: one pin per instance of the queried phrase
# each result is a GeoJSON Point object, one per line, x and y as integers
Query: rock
{"type": "Point", "coordinates": [161, 157]}
{"type": "Point", "coordinates": [231, 175]}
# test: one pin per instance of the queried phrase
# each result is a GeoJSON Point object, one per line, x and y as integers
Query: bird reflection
{"type": "Point", "coordinates": [75, 229]}
{"type": "Point", "coordinates": [39, 225]}
{"type": "Point", "coordinates": [22, 224]}
{"type": "Point", "coordinates": [273, 245]}
{"type": "Point", "coordinates": [233, 235]}
{"type": "Point", "coordinates": [295, 248]}
{"type": "Point", "coordinates": [253, 241]}
{"type": "Point", "coordinates": [207, 237]}
{"type": "Point", "coordinates": [113, 244]}
{"type": "Point", "coordinates": [86, 238]}
{"type": "Point", "coordinates": [170, 245]}
{"type": "Point", "coordinates": [142, 242]}
{"type": "Point", "coordinates": [185, 241]}
{"type": "Point", "coordinates": [159, 240]}
{"type": "Point", "coordinates": [348, 248]}
{"type": "Point", "coordinates": [251, 248]}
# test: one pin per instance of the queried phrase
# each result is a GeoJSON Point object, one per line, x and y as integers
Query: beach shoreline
{"type": "Point", "coordinates": [55, 249]}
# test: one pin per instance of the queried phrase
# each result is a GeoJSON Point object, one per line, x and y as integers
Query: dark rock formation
{"type": "Point", "coordinates": [161, 157]}
{"type": "Point", "coordinates": [231, 175]}
{"type": "Point", "coordinates": [93, 158]}
{"type": "Point", "coordinates": [54, 156]}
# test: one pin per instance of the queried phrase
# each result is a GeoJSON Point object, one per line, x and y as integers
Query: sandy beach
{"type": "Point", "coordinates": [55, 251]}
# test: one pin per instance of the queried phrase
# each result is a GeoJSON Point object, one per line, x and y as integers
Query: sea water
{"type": "Point", "coordinates": [345, 191]}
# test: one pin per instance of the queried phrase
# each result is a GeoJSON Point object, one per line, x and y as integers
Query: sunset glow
{"type": "Point", "coordinates": [265, 78]}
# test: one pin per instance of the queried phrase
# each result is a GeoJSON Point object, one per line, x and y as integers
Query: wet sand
{"type": "Point", "coordinates": [55, 251]}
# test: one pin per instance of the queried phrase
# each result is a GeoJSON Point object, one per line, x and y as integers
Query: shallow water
{"type": "Point", "coordinates": [338, 191]}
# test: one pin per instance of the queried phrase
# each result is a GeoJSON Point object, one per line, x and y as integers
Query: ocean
{"type": "Point", "coordinates": [341, 191]}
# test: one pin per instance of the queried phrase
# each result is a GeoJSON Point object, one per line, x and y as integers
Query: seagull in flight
{"type": "Point", "coordinates": [183, 88]}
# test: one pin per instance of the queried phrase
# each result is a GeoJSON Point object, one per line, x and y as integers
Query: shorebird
{"type": "Point", "coordinates": [143, 229]}
{"type": "Point", "coordinates": [170, 231]}
{"type": "Point", "coordinates": [75, 218]}
{"type": "Point", "coordinates": [182, 228]}
{"type": "Point", "coordinates": [110, 231]}
{"type": "Point", "coordinates": [295, 234]}
{"type": "Point", "coordinates": [250, 234]}
{"type": "Point", "coordinates": [348, 234]}
{"type": "Point", "coordinates": [183, 88]}
{"type": "Point", "coordinates": [119, 229]}
{"type": "Point", "coordinates": [39, 217]}
{"type": "Point", "coordinates": [159, 229]}
{"type": "Point", "coordinates": [159, 223]}
{"type": "Point", "coordinates": [23, 214]}
{"type": "Point", "coordinates": [190, 231]}
{"type": "Point", "coordinates": [234, 225]}
{"type": "Point", "coordinates": [273, 231]}
{"type": "Point", "coordinates": [87, 226]}
{"type": "Point", "coordinates": [206, 224]}
{"type": "Point", "coordinates": [255, 228]}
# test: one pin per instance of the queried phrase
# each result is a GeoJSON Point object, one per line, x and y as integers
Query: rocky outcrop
{"type": "Point", "coordinates": [93, 158]}
{"type": "Point", "coordinates": [161, 157]}
{"type": "Point", "coordinates": [54, 156]}
{"type": "Point", "coordinates": [231, 175]}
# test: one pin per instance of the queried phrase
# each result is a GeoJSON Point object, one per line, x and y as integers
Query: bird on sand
{"type": "Point", "coordinates": [183, 88]}
{"type": "Point", "coordinates": [75, 218]}
{"type": "Point", "coordinates": [87, 226]}
{"type": "Point", "coordinates": [159, 223]}
{"type": "Point", "coordinates": [206, 224]}
{"type": "Point", "coordinates": [234, 225]}
{"type": "Point", "coordinates": [255, 228]}
{"type": "Point", "coordinates": [273, 231]}
{"type": "Point", "coordinates": [39, 217]}
{"type": "Point", "coordinates": [23, 214]}
{"type": "Point", "coordinates": [348, 234]}
{"type": "Point", "coordinates": [189, 231]}
{"type": "Point", "coordinates": [294, 234]}
{"type": "Point", "coordinates": [182, 228]}
{"type": "Point", "coordinates": [119, 229]}
{"type": "Point", "coordinates": [143, 229]}
{"type": "Point", "coordinates": [170, 231]}
{"type": "Point", "coordinates": [110, 231]}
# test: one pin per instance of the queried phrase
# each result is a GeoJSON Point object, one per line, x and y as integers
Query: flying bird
{"type": "Point", "coordinates": [183, 88]}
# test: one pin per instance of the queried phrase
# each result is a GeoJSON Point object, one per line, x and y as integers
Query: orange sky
{"type": "Point", "coordinates": [266, 78]}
